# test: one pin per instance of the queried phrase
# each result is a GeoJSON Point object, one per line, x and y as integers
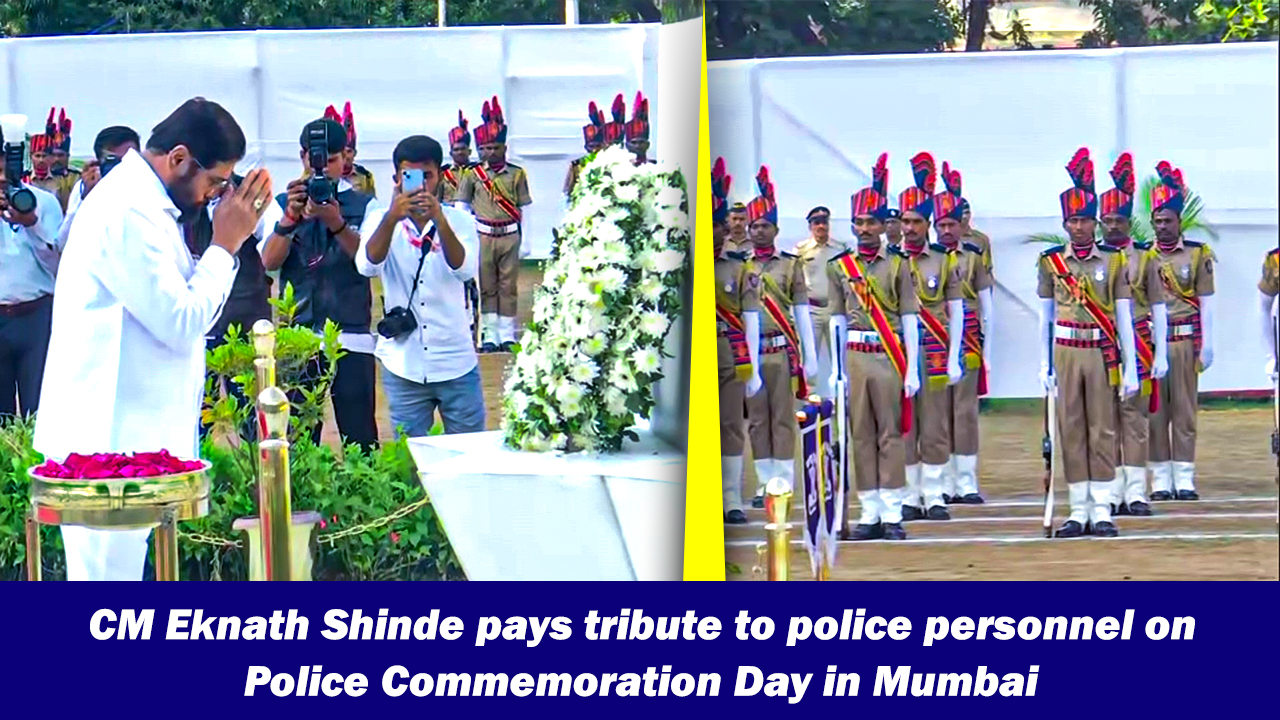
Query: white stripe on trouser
{"type": "Point", "coordinates": [966, 474]}
{"type": "Point", "coordinates": [1135, 486]}
{"type": "Point", "coordinates": [911, 494]}
{"type": "Point", "coordinates": [105, 555]}
{"type": "Point", "coordinates": [931, 485]}
{"type": "Point", "coordinates": [1184, 475]}
{"type": "Point", "coordinates": [731, 481]}
{"type": "Point", "coordinates": [1078, 497]}
{"type": "Point", "coordinates": [1161, 477]}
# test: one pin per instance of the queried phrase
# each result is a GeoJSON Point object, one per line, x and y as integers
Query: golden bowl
{"type": "Point", "coordinates": [120, 503]}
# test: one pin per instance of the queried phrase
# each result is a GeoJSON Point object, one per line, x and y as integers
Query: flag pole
{"type": "Point", "coordinates": [570, 12]}
{"type": "Point", "coordinates": [440, 13]}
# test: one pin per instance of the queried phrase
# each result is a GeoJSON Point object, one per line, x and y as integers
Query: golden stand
{"type": "Point", "coordinates": [119, 504]}
{"type": "Point", "coordinates": [776, 551]}
{"type": "Point", "coordinates": [275, 516]}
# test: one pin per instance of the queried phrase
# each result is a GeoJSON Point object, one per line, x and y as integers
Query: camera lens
{"type": "Point", "coordinates": [22, 201]}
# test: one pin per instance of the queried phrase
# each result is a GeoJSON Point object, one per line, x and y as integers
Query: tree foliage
{"type": "Point", "coordinates": [73, 17]}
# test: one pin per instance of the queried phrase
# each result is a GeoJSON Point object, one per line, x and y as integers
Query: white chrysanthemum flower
{"type": "Point", "coordinates": [654, 323]}
{"type": "Point", "coordinates": [627, 193]}
{"type": "Point", "coordinates": [606, 232]}
{"type": "Point", "coordinates": [593, 345]}
{"type": "Point", "coordinates": [615, 401]}
{"type": "Point", "coordinates": [673, 219]}
{"type": "Point", "coordinates": [583, 371]}
{"type": "Point", "coordinates": [611, 279]}
{"type": "Point", "coordinates": [664, 261]}
{"type": "Point", "coordinates": [614, 253]}
{"type": "Point", "coordinates": [647, 360]}
{"type": "Point", "coordinates": [520, 403]}
{"type": "Point", "coordinates": [559, 441]}
{"type": "Point", "coordinates": [568, 392]}
{"type": "Point", "coordinates": [670, 197]}
{"type": "Point", "coordinates": [651, 288]}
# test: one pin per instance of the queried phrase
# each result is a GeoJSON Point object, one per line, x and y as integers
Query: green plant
{"type": "Point", "coordinates": [16, 455]}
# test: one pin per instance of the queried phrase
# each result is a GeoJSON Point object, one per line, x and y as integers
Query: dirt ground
{"type": "Point", "coordinates": [493, 368]}
{"type": "Point", "coordinates": [1230, 534]}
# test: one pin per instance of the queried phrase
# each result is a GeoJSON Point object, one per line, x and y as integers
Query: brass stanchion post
{"type": "Point", "coordinates": [777, 506]}
{"type": "Point", "coordinates": [34, 570]}
{"type": "Point", "coordinates": [273, 483]}
{"type": "Point", "coordinates": [166, 542]}
{"type": "Point", "coordinates": [264, 345]}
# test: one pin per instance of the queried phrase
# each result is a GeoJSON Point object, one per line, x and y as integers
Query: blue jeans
{"type": "Point", "coordinates": [414, 404]}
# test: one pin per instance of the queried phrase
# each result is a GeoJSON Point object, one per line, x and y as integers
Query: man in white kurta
{"type": "Point", "coordinates": [126, 359]}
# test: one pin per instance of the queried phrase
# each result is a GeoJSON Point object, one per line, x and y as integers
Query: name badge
{"type": "Point", "coordinates": [1186, 272]}
{"type": "Point", "coordinates": [933, 283]}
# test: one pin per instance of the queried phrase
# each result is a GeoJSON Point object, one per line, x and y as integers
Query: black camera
{"type": "Point", "coordinates": [108, 162]}
{"type": "Point", "coordinates": [320, 189]}
{"type": "Point", "coordinates": [397, 323]}
{"type": "Point", "coordinates": [20, 198]}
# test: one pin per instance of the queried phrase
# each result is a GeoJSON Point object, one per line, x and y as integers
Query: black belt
{"type": "Point", "coordinates": [24, 308]}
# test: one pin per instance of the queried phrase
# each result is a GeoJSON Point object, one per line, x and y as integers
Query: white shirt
{"type": "Point", "coordinates": [440, 347]}
{"type": "Point", "coordinates": [29, 256]}
{"type": "Point", "coordinates": [125, 369]}
{"type": "Point", "coordinates": [351, 342]}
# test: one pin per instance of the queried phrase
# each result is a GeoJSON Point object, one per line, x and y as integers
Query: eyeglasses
{"type": "Point", "coordinates": [220, 184]}
{"type": "Point", "coordinates": [820, 220]}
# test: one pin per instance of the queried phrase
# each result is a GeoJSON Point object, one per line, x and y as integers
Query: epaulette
{"type": "Point", "coordinates": [895, 250]}
{"type": "Point", "coordinates": [786, 254]}
{"type": "Point", "coordinates": [973, 247]}
{"type": "Point", "coordinates": [840, 255]}
{"type": "Point", "coordinates": [1274, 251]}
{"type": "Point", "coordinates": [514, 166]}
{"type": "Point", "coordinates": [1143, 246]}
{"type": "Point", "coordinates": [1052, 250]}
{"type": "Point", "coordinates": [72, 171]}
{"type": "Point", "coordinates": [1108, 248]}
{"type": "Point", "coordinates": [1191, 243]}
{"type": "Point", "coordinates": [939, 247]}
{"type": "Point", "coordinates": [736, 255]}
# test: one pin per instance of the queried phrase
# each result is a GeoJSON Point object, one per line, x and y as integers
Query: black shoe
{"type": "Point", "coordinates": [1161, 496]}
{"type": "Point", "coordinates": [488, 348]}
{"type": "Point", "coordinates": [894, 531]}
{"type": "Point", "coordinates": [1069, 529]}
{"type": "Point", "coordinates": [970, 499]}
{"type": "Point", "coordinates": [1088, 527]}
{"type": "Point", "coordinates": [1140, 509]}
{"type": "Point", "coordinates": [1121, 509]}
{"type": "Point", "coordinates": [937, 512]}
{"type": "Point", "coordinates": [950, 499]}
{"type": "Point", "coordinates": [757, 502]}
{"type": "Point", "coordinates": [867, 532]}
{"type": "Point", "coordinates": [508, 347]}
{"type": "Point", "coordinates": [1188, 495]}
{"type": "Point", "coordinates": [912, 513]}
{"type": "Point", "coordinates": [735, 517]}
{"type": "Point", "coordinates": [1105, 529]}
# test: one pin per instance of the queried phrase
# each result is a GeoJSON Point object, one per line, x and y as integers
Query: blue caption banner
{"type": "Point", "coordinates": [998, 649]}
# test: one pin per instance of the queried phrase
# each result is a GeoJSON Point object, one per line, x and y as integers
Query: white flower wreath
{"type": "Point", "coordinates": [589, 359]}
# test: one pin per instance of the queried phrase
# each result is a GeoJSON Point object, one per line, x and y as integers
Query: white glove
{"type": "Point", "coordinates": [987, 305]}
{"type": "Point", "coordinates": [1129, 384]}
{"type": "Point", "coordinates": [956, 330]}
{"type": "Point", "coordinates": [525, 250]}
{"type": "Point", "coordinates": [1271, 368]}
{"type": "Point", "coordinates": [1047, 379]}
{"type": "Point", "coordinates": [1206, 327]}
{"type": "Point", "coordinates": [1160, 338]}
{"type": "Point", "coordinates": [808, 348]}
{"type": "Point", "coordinates": [751, 324]}
{"type": "Point", "coordinates": [754, 384]}
{"type": "Point", "coordinates": [911, 337]}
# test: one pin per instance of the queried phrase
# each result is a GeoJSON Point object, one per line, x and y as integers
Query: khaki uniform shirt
{"type": "Point", "coordinates": [983, 242]}
{"type": "Point", "coordinates": [1102, 273]}
{"type": "Point", "coordinates": [782, 272]}
{"type": "Point", "coordinates": [975, 275]}
{"type": "Point", "coordinates": [737, 292]}
{"type": "Point", "coordinates": [889, 277]}
{"type": "Point", "coordinates": [58, 185]}
{"type": "Point", "coordinates": [742, 245]}
{"type": "Point", "coordinates": [1144, 279]}
{"type": "Point", "coordinates": [934, 274]}
{"type": "Point", "coordinates": [512, 182]}
{"type": "Point", "coordinates": [450, 178]}
{"type": "Point", "coordinates": [815, 257]}
{"type": "Point", "coordinates": [1188, 270]}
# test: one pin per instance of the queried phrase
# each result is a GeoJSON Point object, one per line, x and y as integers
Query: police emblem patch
{"type": "Point", "coordinates": [1100, 275]}
{"type": "Point", "coordinates": [933, 283]}
{"type": "Point", "coordinates": [1186, 272]}
{"type": "Point", "coordinates": [728, 287]}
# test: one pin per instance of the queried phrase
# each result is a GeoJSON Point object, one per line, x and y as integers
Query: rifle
{"type": "Point", "coordinates": [842, 447]}
{"type": "Point", "coordinates": [1049, 447]}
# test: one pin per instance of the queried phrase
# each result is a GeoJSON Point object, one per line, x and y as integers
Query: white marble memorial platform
{"type": "Point", "coordinates": [541, 516]}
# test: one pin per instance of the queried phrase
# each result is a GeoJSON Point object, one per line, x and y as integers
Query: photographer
{"type": "Point", "coordinates": [314, 247]}
{"type": "Point", "coordinates": [26, 294]}
{"type": "Point", "coordinates": [425, 253]}
{"type": "Point", "coordinates": [111, 144]}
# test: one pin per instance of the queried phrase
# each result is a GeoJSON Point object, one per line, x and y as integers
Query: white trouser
{"type": "Point", "coordinates": [105, 554]}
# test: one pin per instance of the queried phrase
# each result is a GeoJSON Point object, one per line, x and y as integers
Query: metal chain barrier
{"type": "Point", "coordinates": [328, 538]}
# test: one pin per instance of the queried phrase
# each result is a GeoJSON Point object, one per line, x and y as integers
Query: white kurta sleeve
{"type": "Point", "coordinates": [138, 265]}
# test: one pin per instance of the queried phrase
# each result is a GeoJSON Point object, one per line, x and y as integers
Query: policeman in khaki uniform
{"type": "Point", "coordinates": [359, 176]}
{"type": "Point", "coordinates": [737, 343]}
{"type": "Point", "coordinates": [1086, 331]}
{"type": "Point", "coordinates": [874, 316]}
{"type": "Point", "coordinates": [50, 158]}
{"type": "Point", "coordinates": [969, 233]}
{"type": "Point", "coordinates": [737, 240]}
{"type": "Point", "coordinates": [786, 344]}
{"type": "Point", "coordinates": [1185, 268]}
{"type": "Point", "coordinates": [815, 252]}
{"type": "Point", "coordinates": [496, 192]}
{"type": "Point", "coordinates": [460, 154]}
{"type": "Point", "coordinates": [592, 141]}
{"type": "Point", "coordinates": [1268, 292]}
{"type": "Point", "coordinates": [941, 313]}
{"type": "Point", "coordinates": [1150, 326]}
{"type": "Point", "coordinates": [960, 481]}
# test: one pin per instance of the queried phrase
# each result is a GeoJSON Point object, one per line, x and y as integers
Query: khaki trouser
{"type": "Point", "coordinates": [1174, 423]}
{"type": "Point", "coordinates": [771, 413]}
{"type": "Point", "coordinates": [1131, 440]}
{"type": "Point", "coordinates": [964, 415]}
{"type": "Point", "coordinates": [732, 431]}
{"type": "Point", "coordinates": [929, 440]}
{"type": "Point", "coordinates": [1086, 414]}
{"type": "Point", "coordinates": [499, 270]}
{"type": "Point", "coordinates": [875, 422]}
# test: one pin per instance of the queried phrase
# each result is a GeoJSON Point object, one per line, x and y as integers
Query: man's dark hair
{"type": "Point", "coordinates": [114, 136]}
{"type": "Point", "coordinates": [417, 149]}
{"type": "Point", "coordinates": [203, 127]}
{"type": "Point", "coordinates": [337, 135]}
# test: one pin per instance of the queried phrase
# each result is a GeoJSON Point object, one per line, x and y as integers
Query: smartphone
{"type": "Point", "coordinates": [412, 180]}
